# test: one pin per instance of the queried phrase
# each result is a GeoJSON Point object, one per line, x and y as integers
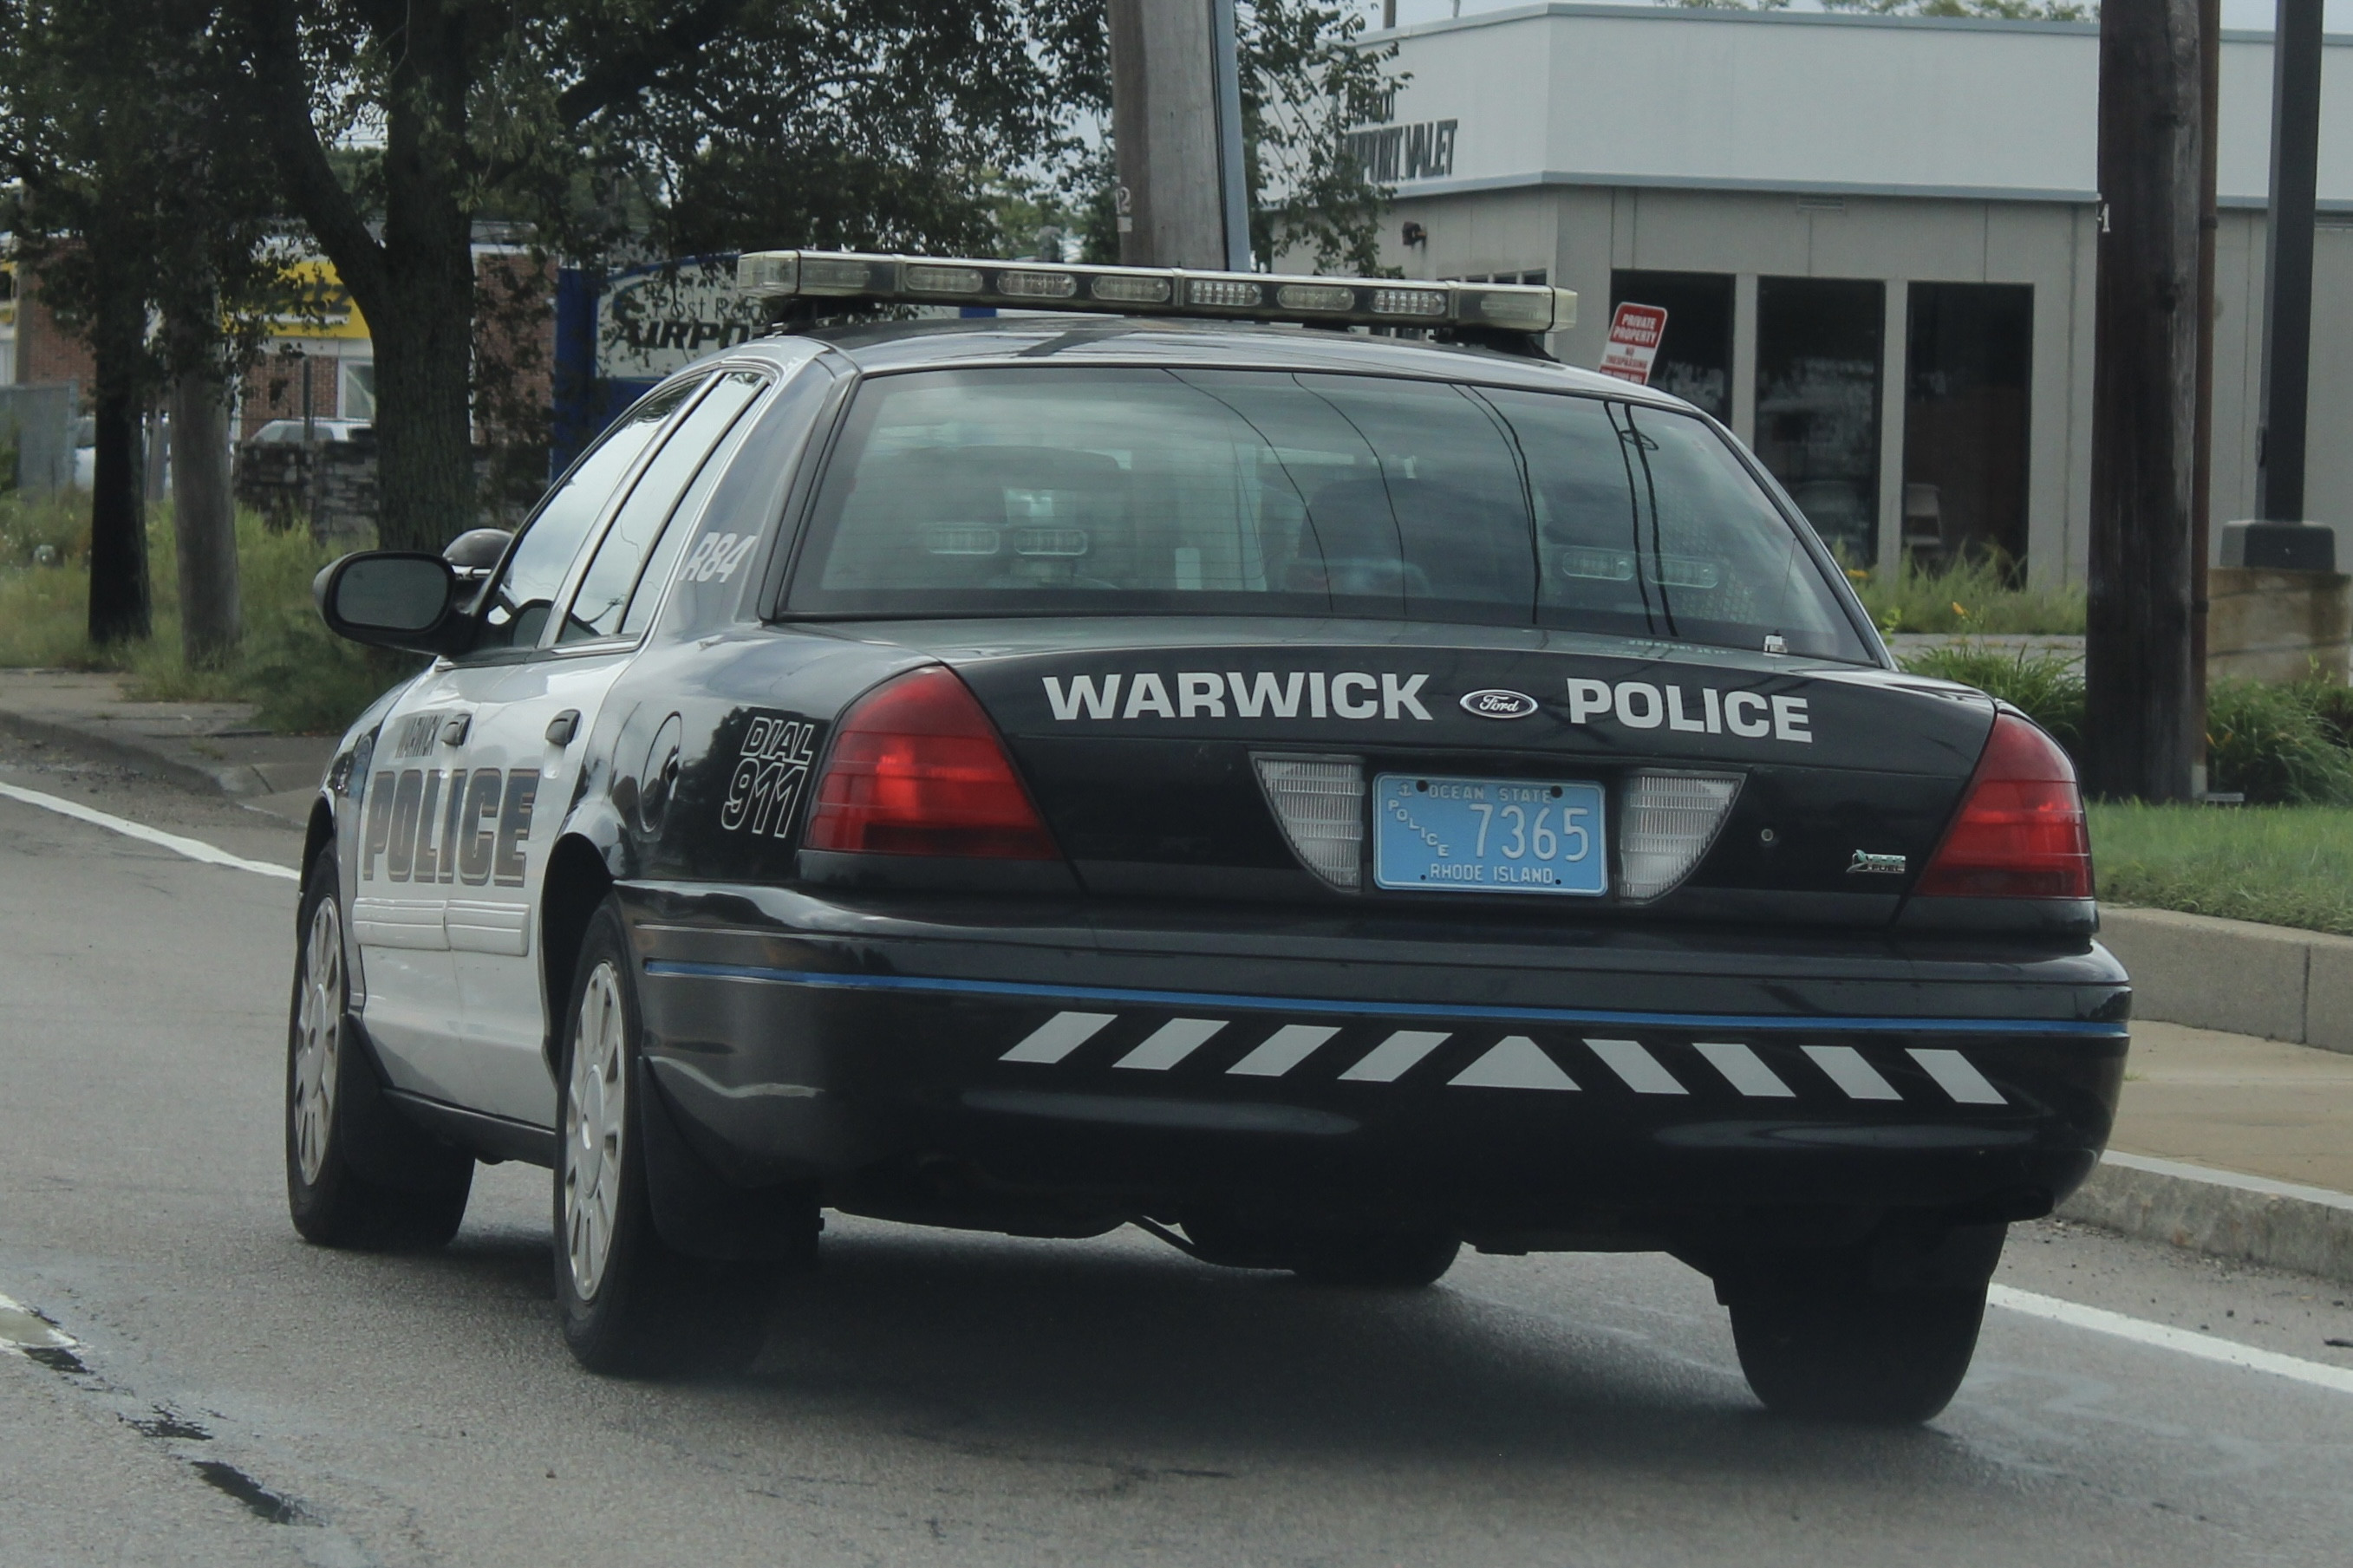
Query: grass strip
{"type": "Point", "coordinates": [2281, 865]}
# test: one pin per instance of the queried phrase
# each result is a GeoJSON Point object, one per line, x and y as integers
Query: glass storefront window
{"type": "Point", "coordinates": [1964, 421]}
{"type": "Point", "coordinates": [1818, 356]}
{"type": "Point", "coordinates": [1695, 358]}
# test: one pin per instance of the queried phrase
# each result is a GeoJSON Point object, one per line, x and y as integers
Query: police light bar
{"type": "Point", "coordinates": [783, 274]}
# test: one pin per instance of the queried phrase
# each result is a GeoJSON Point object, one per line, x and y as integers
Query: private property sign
{"type": "Point", "coordinates": [1634, 334]}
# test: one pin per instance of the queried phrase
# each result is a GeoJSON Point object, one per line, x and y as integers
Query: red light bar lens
{"type": "Point", "coordinates": [2021, 833]}
{"type": "Point", "coordinates": [917, 769]}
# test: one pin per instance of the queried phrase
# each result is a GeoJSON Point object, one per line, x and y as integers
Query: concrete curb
{"type": "Point", "coordinates": [2236, 975]}
{"type": "Point", "coordinates": [136, 753]}
{"type": "Point", "coordinates": [2221, 1213]}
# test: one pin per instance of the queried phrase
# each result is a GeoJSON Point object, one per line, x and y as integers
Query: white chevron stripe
{"type": "Point", "coordinates": [1284, 1049]}
{"type": "Point", "coordinates": [1744, 1069]}
{"type": "Point", "coordinates": [1386, 1062]}
{"type": "Point", "coordinates": [1957, 1076]}
{"type": "Point", "coordinates": [1845, 1068]}
{"type": "Point", "coordinates": [1058, 1037]}
{"type": "Point", "coordinates": [1170, 1044]}
{"type": "Point", "coordinates": [1515, 1061]}
{"type": "Point", "coordinates": [1638, 1068]}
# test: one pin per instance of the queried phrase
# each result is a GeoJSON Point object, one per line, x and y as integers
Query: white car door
{"type": "Point", "coordinates": [530, 723]}
{"type": "Point", "coordinates": [438, 888]}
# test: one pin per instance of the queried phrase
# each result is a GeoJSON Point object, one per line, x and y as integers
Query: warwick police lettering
{"type": "Point", "coordinates": [482, 822]}
{"type": "Point", "coordinates": [1638, 705]}
{"type": "Point", "coordinates": [1204, 694]}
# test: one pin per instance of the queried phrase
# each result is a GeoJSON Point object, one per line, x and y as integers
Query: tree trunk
{"type": "Point", "coordinates": [424, 361]}
{"type": "Point", "coordinates": [2137, 689]}
{"type": "Point", "coordinates": [204, 526]}
{"type": "Point", "coordinates": [119, 604]}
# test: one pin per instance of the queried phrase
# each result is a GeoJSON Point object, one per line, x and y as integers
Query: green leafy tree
{"type": "Point", "coordinates": [625, 129]}
{"type": "Point", "coordinates": [137, 196]}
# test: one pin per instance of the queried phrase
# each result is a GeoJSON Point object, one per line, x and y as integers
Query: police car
{"type": "Point", "coordinates": [1324, 797]}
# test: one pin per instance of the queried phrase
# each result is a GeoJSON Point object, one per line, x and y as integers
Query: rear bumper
{"type": "Point", "coordinates": [1507, 1084]}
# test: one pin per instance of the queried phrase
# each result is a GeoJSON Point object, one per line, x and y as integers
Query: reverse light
{"type": "Point", "coordinates": [916, 768]}
{"type": "Point", "coordinates": [2021, 833]}
{"type": "Point", "coordinates": [1667, 822]}
{"type": "Point", "coordinates": [1320, 804]}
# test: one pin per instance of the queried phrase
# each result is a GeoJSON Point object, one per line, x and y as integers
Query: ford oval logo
{"type": "Point", "coordinates": [1495, 704]}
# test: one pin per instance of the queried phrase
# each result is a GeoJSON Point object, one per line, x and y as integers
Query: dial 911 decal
{"type": "Point", "coordinates": [771, 771]}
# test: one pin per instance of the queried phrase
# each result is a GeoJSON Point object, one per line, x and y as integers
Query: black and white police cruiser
{"type": "Point", "coordinates": [1322, 797]}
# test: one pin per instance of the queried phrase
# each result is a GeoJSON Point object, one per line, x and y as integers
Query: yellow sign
{"type": "Point", "coordinates": [325, 310]}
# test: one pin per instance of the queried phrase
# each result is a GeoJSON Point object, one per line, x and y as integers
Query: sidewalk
{"type": "Point", "coordinates": [198, 745]}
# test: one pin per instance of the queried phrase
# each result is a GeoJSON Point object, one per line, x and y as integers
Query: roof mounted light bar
{"type": "Point", "coordinates": [781, 276]}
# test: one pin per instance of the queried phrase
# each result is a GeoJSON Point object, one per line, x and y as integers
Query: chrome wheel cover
{"type": "Point", "coordinates": [317, 1039]}
{"type": "Point", "coordinates": [595, 1098]}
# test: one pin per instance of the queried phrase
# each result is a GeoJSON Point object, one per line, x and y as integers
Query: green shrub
{"type": "Point", "coordinates": [1973, 594]}
{"type": "Point", "coordinates": [2274, 744]}
{"type": "Point", "coordinates": [2044, 686]}
{"type": "Point", "coordinates": [301, 678]}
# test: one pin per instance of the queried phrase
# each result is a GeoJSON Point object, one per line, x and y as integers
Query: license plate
{"type": "Point", "coordinates": [1488, 836]}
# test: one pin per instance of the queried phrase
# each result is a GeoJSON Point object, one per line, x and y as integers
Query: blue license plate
{"type": "Point", "coordinates": [1488, 836]}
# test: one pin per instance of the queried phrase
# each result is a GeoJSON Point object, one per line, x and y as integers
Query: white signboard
{"type": "Point", "coordinates": [661, 319]}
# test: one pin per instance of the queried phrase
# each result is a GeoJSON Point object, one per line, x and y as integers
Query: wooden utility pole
{"type": "Point", "coordinates": [2287, 268]}
{"type": "Point", "coordinates": [2138, 740]}
{"type": "Point", "coordinates": [1176, 134]}
{"type": "Point", "coordinates": [2201, 482]}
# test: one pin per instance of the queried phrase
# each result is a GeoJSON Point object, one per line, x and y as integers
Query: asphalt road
{"type": "Point", "coordinates": [233, 1395]}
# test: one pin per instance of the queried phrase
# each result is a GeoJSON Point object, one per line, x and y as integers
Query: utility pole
{"type": "Point", "coordinates": [1177, 131]}
{"type": "Point", "coordinates": [2144, 404]}
{"type": "Point", "coordinates": [2287, 269]}
{"type": "Point", "coordinates": [2201, 483]}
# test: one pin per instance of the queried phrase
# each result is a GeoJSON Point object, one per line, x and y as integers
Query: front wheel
{"type": "Point", "coordinates": [358, 1175]}
{"type": "Point", "coordinates": [631, 1302]}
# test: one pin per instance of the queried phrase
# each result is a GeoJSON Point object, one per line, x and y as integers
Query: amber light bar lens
{"type": "Point", "coordinates": [781, 275]}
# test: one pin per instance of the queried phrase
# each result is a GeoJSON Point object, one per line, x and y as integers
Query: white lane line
{"type": "Point", "coordinates": [193, 848]}
{"type": "Point", "coordinates": [22, 1330]}
{"type": "Point", "coordinates": [2184, 1342]}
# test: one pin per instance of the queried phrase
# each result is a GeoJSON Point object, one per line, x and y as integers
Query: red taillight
{"type": "Point", "coordinates": [917, 769]}
{"type": "Point", "coordinates": [2021, 831]}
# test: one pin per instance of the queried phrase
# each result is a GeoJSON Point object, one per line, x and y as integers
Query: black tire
{"type": "Point", "coordinates": [1889, 1358]}
{"type": "Point", "coordinates": [639, 1306]}
{"type": "Point", "coordinates": [358, 1174]}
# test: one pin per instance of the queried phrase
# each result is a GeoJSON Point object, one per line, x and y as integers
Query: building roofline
{"type": "Point", "coordinates": [1550, 178]}
{"type": "Point", "coordinates": [1707, 14]}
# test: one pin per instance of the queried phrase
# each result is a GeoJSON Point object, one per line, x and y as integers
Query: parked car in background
{"type": "Point", "coordinates": [291, 432]}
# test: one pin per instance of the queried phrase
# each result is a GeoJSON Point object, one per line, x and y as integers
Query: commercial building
{"type": "Point", "coordinates": [1874, 238]}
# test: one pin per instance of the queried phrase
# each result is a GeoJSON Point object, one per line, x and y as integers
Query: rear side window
{"type": "Point", "coordinates": [1223, 492]}
{"type": "Point", "coordinates": [535, 568]}
{"type": "Point", "coordinates": [598, 605]}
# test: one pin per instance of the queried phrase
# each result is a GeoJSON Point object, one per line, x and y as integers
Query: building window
{"type": "Point", "coordinates": [1695, 358]}
{"type": "Point", "coordinates": [1964, 421]}
{"type": "Point", "coordinates": [355, 390]}
{"type": "Point", "coordinates": [1818, 376]}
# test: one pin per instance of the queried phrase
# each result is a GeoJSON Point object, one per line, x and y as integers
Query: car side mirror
{"type": "Point", "coordinates": [393, 598]}
{"type": "Point", "coordinates": [476, 553]}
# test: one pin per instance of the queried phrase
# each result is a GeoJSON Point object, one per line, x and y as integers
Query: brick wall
{"type": "Point", "coordinates": [45, 350]}
{"type": "Point", "coordinates": [273, 390]}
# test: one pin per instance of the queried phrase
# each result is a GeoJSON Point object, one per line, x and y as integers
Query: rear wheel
{"type": "Point", "coordinates": [358, 1174]}
{"type": "Point", "coordinates": [1882, 1338]}
{"type": "Point", "coordinates": [631, 1302]}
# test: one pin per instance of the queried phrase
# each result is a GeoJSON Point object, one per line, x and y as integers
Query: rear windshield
{"type": "Point", "coordinates": [1248, 492]}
